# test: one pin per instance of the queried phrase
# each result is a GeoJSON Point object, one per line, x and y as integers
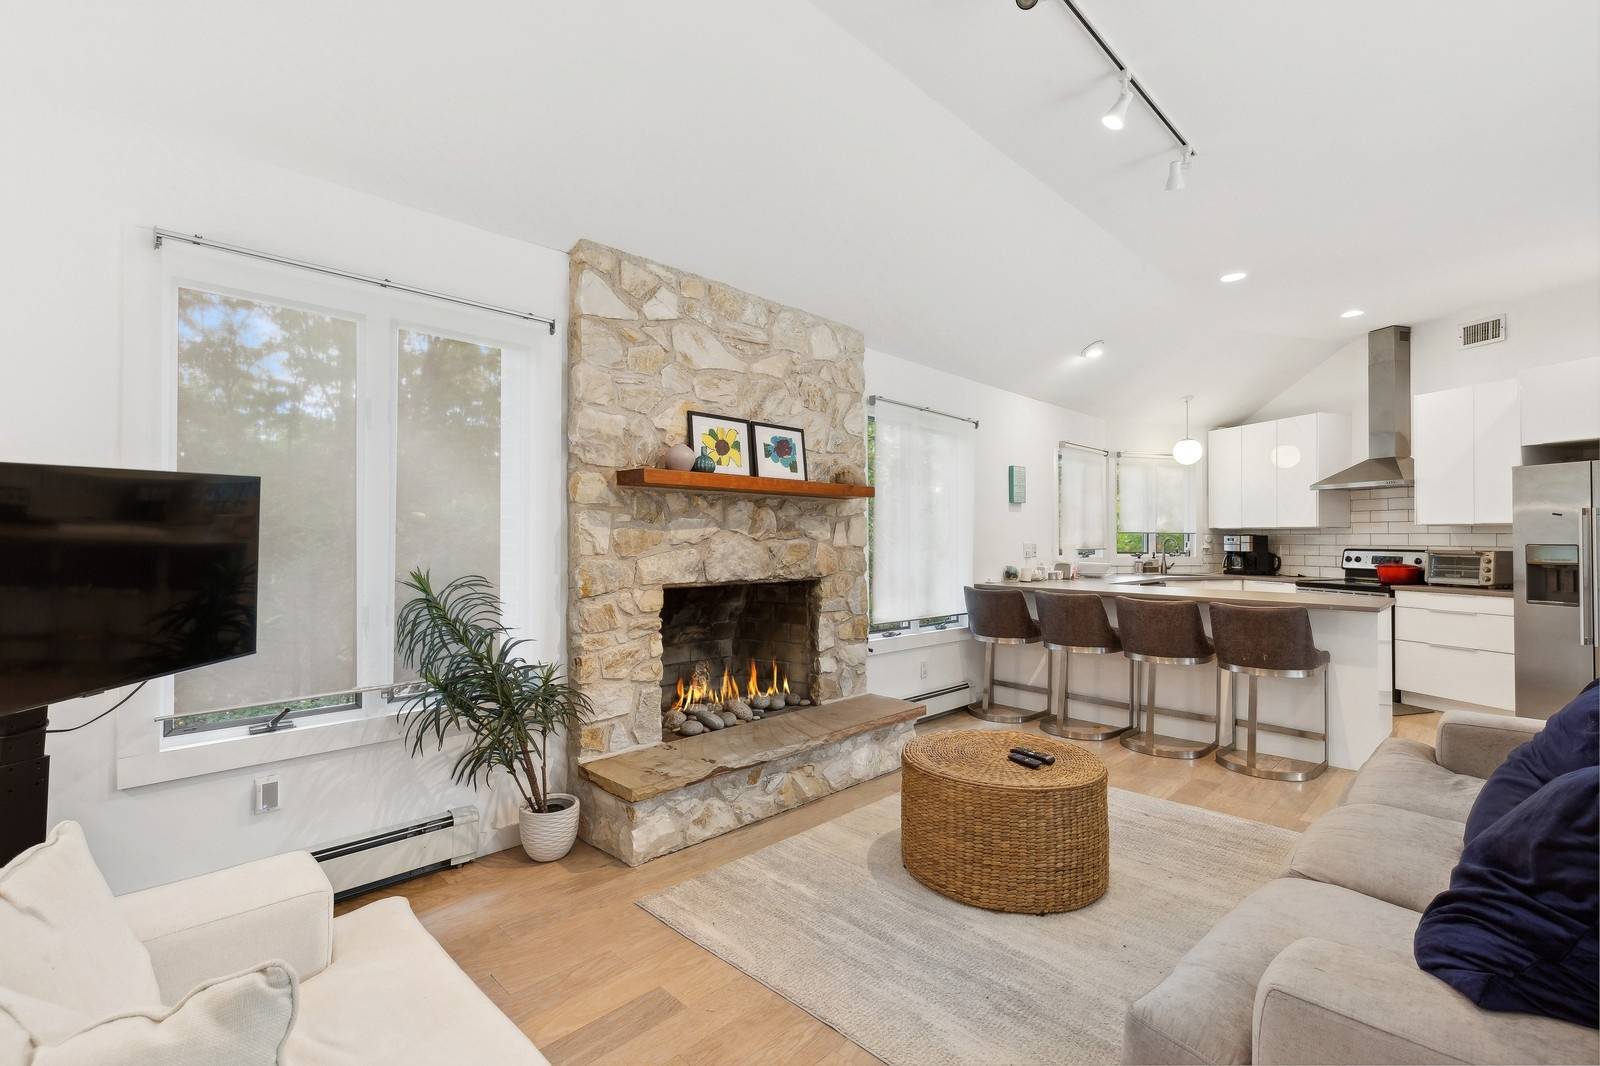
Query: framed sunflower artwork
{"type": "Point", "coordinates": [780, 451]}
{"type": "Point", "coordinates": [721, 445]}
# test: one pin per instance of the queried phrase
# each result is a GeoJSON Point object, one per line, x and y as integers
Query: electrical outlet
{"type": "Point", "coordinates": [267, 794]}
{"type": "Point", "coordinates": [922, 669]}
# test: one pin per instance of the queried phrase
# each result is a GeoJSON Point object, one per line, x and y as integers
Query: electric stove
{"type": "Point", "coordinates": [1360, 567]}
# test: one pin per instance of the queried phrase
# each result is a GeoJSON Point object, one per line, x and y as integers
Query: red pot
{"type": "Point", "coordinates": [1399, 574]}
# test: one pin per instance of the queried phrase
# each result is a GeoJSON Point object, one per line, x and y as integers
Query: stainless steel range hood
{"type": "Point", "coordinates": [1388, 464]}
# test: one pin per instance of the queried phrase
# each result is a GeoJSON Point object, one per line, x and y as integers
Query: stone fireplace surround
{"type": "Point", "coordinates": [646, 344]}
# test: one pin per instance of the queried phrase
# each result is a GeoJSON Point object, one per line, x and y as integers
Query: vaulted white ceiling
{"type": "Point", "coordinates": [931, 171]}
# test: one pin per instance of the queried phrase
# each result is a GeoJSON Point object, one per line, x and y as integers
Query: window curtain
{"type": "Point", "coordinates": [1157, 494]}
{"type": "Point", "coordinates": [1081, 494]}
{"type": "Point", "coordinates": [922, 515]}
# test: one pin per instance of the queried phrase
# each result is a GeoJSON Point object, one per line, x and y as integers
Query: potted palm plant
{"type": "Point", "coordinates": [472, 679]}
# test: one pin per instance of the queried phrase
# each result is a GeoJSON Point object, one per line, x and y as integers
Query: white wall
{"type": "Point", "coordinates": [75, 216]}
{"type": "Point", "coordinates": [1013, 430]}
{"type": "Point", "coordinates": [1553, 326]}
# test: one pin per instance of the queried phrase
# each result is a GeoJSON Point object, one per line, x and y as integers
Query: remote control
{"type": "Point", "coordinates": [1023, 760]}
{"type": "Point", "coordinates": [1037, 756]}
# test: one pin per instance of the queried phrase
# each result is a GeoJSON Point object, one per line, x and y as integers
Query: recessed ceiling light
{"type": "Point", "coordinates": [1095, 350]}
{"type": "Point", "coordinates": [1354, 312]}
{"type": "Point", "coordinates": [1229, 279]}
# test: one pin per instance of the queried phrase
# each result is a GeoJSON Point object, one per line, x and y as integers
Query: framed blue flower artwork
{"type": "Point", "coordinates": [779, 451]}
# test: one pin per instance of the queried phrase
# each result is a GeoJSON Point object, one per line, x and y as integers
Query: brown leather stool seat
{"type": "Point", "coordinates": [1259, 642]}
{"type": "Point", "coordinates": [998, 616]}
{"type": "Point", "coordinates": [1074, 623]}
{"type": "Point", "coordinates": [1159, 633]}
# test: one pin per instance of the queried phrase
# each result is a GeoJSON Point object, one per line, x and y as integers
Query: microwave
{"type": "Point", "coordinates": [1478, 567]}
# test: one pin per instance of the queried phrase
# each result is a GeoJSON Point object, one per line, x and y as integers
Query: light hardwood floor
{"type": "Point", "coordinates": [591, 978]}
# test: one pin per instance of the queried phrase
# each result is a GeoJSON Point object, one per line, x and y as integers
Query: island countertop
{"type": "Point", "coordinates": [1194, 587]}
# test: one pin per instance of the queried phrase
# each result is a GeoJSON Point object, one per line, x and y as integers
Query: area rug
{"type": "Point", "coordinates": [830, 920]}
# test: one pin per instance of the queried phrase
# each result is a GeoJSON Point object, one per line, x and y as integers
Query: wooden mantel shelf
{"type": "Point", "coordinates": [649, 477]}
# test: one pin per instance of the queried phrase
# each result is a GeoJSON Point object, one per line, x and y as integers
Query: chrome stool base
{"type": "Point", "coordinates": [1250, 762]}
{"type": "Point", "coordinates": [1165, 747]}
{"type": "Point", "coordinates": [997, 712]}
{"type": "Point", "coordinates": [1283, 768]}
{"type": "Point", "coordinates": [1142, 736]}
{"type": "Point", "coordinates": [1081, 729]}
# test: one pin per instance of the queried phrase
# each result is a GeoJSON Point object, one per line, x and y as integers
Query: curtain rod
{"type": "Point", "coordinates": [916, 407]}
{"type": "Point", "coordinates": [1081, 447]}
{"type": "Point", "coordinates": [384, 283]}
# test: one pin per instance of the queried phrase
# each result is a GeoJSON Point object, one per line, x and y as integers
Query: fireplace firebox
{"type": "Point", "coordinates": [750, 641]}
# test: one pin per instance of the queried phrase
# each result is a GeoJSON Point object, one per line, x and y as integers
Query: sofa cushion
{"type": "Point", "coordinates": [1519, 927]}
{"type": "Point", "coordinates": [67, 957]}
{"type": "Point", "coordinates": [1402, 773]}
{"type": "Point", "coordinates": [392, 995]}
{"type": "Point", "coordinates": [1395, 855]}
{"type": "Point", "coordinates": [1201, 1012]}
{"type": "Point", "coordinates": [241, 1020]}
{"type": "Point", "coordinates": [1569, 741]}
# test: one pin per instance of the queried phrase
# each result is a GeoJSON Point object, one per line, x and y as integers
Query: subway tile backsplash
{"type": "Point", "coordinates": [1382, 518]}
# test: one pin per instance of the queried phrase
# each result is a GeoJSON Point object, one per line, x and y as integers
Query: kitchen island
{"type": "Point", "coordinates": [1357, 632]}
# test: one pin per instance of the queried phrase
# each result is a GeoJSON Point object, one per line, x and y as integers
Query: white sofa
{"type": "Point", "coordinates": [375, 987]}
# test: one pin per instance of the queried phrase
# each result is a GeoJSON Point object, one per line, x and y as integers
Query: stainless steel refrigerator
{"type": "Point", "coordinates": [1557, 593]}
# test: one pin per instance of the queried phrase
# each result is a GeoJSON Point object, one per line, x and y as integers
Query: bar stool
{"type": "Point", "coordinates": [1267, 642]}
{"type": "Point", "coordinates": [998, 616]}
{"type": "Point", "coordinates": [1157, 633]}
{"type": "Point", "coordinates": [1075, 623]}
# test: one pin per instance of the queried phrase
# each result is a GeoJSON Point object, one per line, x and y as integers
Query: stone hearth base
{"type": "Point", "coordinates": [685, 792]}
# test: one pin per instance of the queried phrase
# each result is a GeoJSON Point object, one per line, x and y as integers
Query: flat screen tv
{"type": "Point", "coordinates": [109, 577]}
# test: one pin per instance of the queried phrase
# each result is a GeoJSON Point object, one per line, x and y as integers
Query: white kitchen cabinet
{"type": "Point", "coordinates": [1496, 449]}
{"type": "Point", "coordinates": [1225, 478]}
{"type": "Point", "coordinates": [1259, 489]}
{"type": "Point", "coordinates": [1261, 474]}
{"type": "Point", "coordinates": [1561, 402]}
{"type": "Point", "coordinates": [1454, 649]}
{"type": "Point", "coordinates": [1296, 460]}
{"type": "Point", "coordinates": [1464, 442]}
{"type": "Point", "coordinates": [1441, 450]}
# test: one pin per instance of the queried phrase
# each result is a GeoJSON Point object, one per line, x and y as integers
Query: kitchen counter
{"type": "Point", "coordinates": [1357, 632]}
{"type": "Point", "coordinates": [1205, 588]}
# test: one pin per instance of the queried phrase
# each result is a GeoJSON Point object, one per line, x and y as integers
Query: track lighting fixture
{"type": "Point", "coordinates": [1117, 117]}
{"type": "Point", "coordinates": [1175, 170]}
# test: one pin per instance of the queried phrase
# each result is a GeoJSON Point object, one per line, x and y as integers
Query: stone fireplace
{"type": "Point", "coordinates": [661, 580]}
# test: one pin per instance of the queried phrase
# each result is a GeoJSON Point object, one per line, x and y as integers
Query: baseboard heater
{"type": "Point", "coordinates": [943, 700]}
{"type": "Point", "coordinates": [400, 852]}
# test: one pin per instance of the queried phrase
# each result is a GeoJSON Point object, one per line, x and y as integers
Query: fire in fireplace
{"type": "Point", "coordinates": [734, 653]}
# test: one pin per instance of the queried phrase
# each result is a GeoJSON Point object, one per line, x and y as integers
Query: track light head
{"type": "Point", "coordinates": [1175, 171]}
{"type": "Point", "coordinates": [1117, 117]}
{"type": "Point", "coordinates": [1026, 5]}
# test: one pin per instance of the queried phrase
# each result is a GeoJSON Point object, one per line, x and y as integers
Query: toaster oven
{"type": "Point", "coordinates": [1479, 567]}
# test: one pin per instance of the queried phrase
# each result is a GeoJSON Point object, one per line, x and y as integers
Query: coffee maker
{"type": "Point", "coordinates": [1246, 553]}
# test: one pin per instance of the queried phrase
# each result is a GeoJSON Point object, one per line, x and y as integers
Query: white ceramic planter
{"type": "Point", "coordinates": [547, 837]}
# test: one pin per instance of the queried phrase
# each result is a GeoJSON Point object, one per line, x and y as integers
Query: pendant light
{"type": "Point", "coordinates": [1188, 450]}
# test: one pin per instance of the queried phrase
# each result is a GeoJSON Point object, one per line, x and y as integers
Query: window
{"type": "Point", "coordinates": [1158, 502]}
{"type": "Point", "coordinates": [389, 433]}
{"type": "Point", "coordinates": [1081, 496]}
{"type": "Point", "coordinates": [921, 519]}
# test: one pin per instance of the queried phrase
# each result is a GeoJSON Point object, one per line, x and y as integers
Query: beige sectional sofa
{"type": "Point", "coordinates": [1317, 966]}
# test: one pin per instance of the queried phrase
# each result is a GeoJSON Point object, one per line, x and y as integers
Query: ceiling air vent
{"type": "Point", "coordinates": [1488, 331]}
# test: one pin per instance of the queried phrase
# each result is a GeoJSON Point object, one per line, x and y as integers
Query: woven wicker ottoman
{"type": "Point", "coordinates": [984, 831]}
